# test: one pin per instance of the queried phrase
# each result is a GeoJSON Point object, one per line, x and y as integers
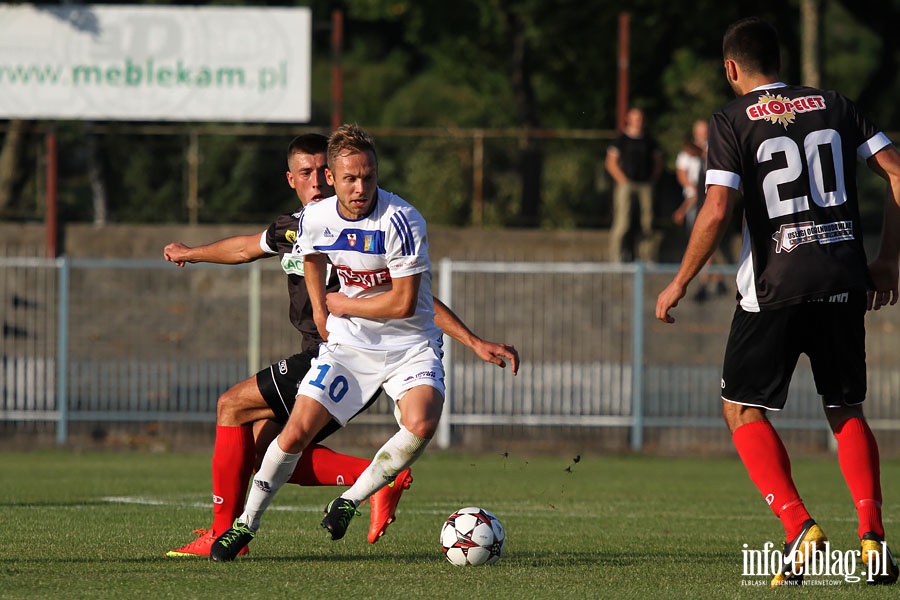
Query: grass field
{"type": "Point", "coordinates": [97, 525]}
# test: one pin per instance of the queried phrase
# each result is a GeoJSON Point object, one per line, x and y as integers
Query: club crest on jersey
{"type": "Point", "coordinates": [351, 239]}
{"type": "Point", "coordinates": [791, 235]}
{"type": "Point", "coordinates": [779, 110]}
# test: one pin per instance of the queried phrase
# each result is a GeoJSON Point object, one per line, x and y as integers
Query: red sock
{"type": "Point", "coordinates": [322, 466]}
{"type": "Point", "coordinates": [858, 457]}
{"type": "Point", "coordinates": [232, 465]}
{"type": "Point", "coordinates": [769, 466]}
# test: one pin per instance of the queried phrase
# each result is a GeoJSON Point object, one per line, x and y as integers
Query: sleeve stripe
{"type": "Point", "coordinates": [725, 178]}
{"type": "Point", "coordinates": [401, 224]}
{"type": "Point", "coordinates": [872, 146]}
{"type": "Point", "coordinates": [263, 245]}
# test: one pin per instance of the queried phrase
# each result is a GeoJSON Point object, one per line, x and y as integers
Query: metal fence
{"type": "Point", "coordinates": [89, 340]}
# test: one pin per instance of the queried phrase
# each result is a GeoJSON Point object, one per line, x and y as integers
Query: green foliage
{"type": "Point", "coordinates": [852, 55]}
{"type": "Point", "coordinates": [243, 180]}
{"type": "Point", "coordinates": [433, 100]}
{"type": "Point", "coordinates": [570, 195]}
{"type": "Point", "coordinates": [693, 88]}
{"type": "Point", "coordinates": [477, 64]}
{"type": "Point", "coordinates": [437, 180]}
{"type": "Point", "coordinates": [145, 178]}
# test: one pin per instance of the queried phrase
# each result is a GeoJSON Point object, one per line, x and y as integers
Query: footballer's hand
{"type": "Point", "coordinates": [337, 303]}
{"type": "Point", "coordinates": [885, 275]}
{"type": "Point", "coordinates": [176, 252]}
{"type": "Point", "coordinates": [493, 352]}
{"type": "Point", "coordinates": [667, 300]}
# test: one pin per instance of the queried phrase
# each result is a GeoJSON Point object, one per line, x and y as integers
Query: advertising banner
{"type": "Point", "coordinates": [152, 63]}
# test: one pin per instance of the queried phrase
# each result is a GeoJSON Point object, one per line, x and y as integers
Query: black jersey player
{"type": "Point", "coordinates": [803, 280]}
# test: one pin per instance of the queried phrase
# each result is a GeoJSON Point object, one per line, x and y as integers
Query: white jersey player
{"type": "Point", "coordinates": [379, 331]}
{"type": "Point", "coordinates": [368, 253]}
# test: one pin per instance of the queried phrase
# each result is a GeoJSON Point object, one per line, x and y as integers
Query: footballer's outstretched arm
{"type": "Point", "coordinates": [491, 352]}
{"type": "Point", "coordinates": [234, 250]}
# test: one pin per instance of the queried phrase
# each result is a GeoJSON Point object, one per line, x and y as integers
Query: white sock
{"type": "Point", "coordinates": [397, 453]}
{"type": "Point", "coordinates": [276, 468]}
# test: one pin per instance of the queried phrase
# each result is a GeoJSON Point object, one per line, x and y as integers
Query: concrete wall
{"type": "Point", "coordinates": [81, 240]}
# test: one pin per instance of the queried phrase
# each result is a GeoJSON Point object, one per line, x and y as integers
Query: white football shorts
{"type": "Point", "coordinates": [343, 378]}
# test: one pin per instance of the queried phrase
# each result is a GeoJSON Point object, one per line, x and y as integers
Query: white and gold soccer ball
{"type": "Point", "coordinates": [472, 536]}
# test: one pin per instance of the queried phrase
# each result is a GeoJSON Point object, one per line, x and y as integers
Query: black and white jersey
{"type": "Point", "coordinates": [794, 152]}
{"type": "Point", "coordinates": [279, 239]}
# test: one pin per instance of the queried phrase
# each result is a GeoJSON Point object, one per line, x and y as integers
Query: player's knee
{"type": "Point", "coordinates": [731, 414]}
{"type": "Point", "coordinates": [294, 437]}
{"type": "Point", "coordinates": [424, 427]}
{"type": "Point", "coordinates": [227, 407]}
{"type": "Point", "coordinates": [837, 416]}
{"type": "Point", "coordinates": [736, 415]}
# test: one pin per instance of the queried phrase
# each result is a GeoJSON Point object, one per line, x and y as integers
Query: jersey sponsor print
{"type": "Point", "coordinates": [793, 152]}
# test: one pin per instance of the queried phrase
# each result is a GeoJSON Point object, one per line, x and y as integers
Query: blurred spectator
{"type": "Point", "coordinates": [635, 162]}
{"type": "Point", "coordinates": [690, 169]}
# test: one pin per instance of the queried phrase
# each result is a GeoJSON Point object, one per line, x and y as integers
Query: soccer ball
{"type": "Point", "coordinates": [471, 537]}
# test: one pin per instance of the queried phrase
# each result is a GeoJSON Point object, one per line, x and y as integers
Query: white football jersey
{"type": "Point", "coordinates": [367, 254]}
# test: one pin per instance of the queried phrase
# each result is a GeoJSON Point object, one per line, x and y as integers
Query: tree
{"type": "Point", "coordinates": [11, 156]}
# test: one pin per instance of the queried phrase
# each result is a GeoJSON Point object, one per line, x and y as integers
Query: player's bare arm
{"type": "Point", "coordinates": [884, 268]}
{"type": "Point", "coordinates": [709, 229]}
{"type": "Point", "coordinates": [491, 352]}
{"type": "Point", "coordinates": [612, 165]}
{"type": "Point", "coordinates": [315, 268]}
{"type": "Point", "coordinates": [234, 250]}
{"type": "Point", "coordinates": [399, 302]}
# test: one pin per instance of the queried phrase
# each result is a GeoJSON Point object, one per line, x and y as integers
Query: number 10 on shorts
{"type": "Point", "coordinates": [336, 389]}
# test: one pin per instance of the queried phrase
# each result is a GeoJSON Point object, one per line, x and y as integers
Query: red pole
{"type": "Point", "coordinates": [623, 69]}
{"type": "Point", "coordinates": [337, 43]}
{"type": "Point", "coordinates": [51, 215]}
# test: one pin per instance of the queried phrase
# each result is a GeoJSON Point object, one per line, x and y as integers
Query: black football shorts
{"type": "Point", "coordinates": [763, 348]}
{"type": "Point", "coordinates": [278, 385]}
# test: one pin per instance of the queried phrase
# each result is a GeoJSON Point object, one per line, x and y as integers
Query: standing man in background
{"type": "Point", "coordinates": [803, 282]}
{"type": "Point", "coordinates": [635, 162]}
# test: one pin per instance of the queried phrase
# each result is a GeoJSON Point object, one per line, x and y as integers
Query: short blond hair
{"type": "Point", "coordinates": [350, 139]}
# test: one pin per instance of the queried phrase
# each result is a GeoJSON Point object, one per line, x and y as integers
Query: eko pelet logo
{"type": "Point", "coordinates": [783, 111]}
{"type": "Point", "coordinates": [818, 564]}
